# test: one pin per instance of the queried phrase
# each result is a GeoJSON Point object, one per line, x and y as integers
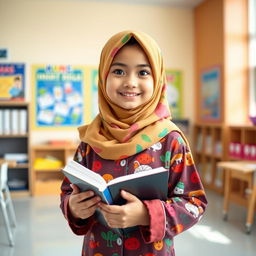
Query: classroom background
{"type": "Point", "coordinates": [49, 53]}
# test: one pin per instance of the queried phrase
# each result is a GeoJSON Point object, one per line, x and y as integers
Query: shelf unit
{"type": "Point", "coordinates": [240, 135]}
{"type": "Point", "coordinates": [47, 181]}
{"type": "Point", "coordinates": [17, 143]}
{"type": "Point", "coordinates": [208, 149]}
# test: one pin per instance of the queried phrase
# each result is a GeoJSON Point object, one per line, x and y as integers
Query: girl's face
{"type": "Point", "coordinates": [130, 80]}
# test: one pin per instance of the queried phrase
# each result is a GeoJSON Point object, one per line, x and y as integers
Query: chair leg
{"type": "Point", "coordinates": [10, 206]}
{"type": "Point", "coordinates": [6, 220]}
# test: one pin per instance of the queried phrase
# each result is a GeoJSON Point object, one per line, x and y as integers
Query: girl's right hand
{"type": "Point", "coordinates": [82, 205]}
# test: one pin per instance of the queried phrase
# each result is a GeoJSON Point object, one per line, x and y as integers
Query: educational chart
{"type": "Point", "coordinates": [94, 92]}
{"type": "Point", "coordinates": [211, 94]}
{"type": "Point", "coordinates": [58, 95]}
{"type": "Point", "coordinates": [12, 81]}
{"type": "Point", "coordinates": [174, 92]}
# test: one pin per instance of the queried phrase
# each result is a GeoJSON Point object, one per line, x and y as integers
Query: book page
{"type": "Point", "coordinates": [137, 175]}
{"type": "Point", "coordinates": [84, 173]}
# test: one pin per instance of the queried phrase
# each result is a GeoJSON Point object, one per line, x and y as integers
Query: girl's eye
{"type": "Point", "coordinates": [118, 71]}
{"type": "Point", "coordinates": [144, 73]}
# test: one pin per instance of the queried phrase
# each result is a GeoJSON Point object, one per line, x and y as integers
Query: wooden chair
{"type": "Point", "coordinates": [6, 203]}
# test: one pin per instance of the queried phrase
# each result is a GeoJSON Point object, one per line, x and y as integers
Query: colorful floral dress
{"type": "Point", "coordinates": [185, 205]}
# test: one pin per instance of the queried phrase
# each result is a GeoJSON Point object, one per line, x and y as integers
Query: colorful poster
{"type": "Point", "coordinates": [211, 94]}
{"type": "Point", "coordinates": [94, 92]}
{"type": "Point", "coordinates": [58, 96]}
{"type": "Point", "coordinates": [174, 92]}
{"type": "Point", "coordinates": [12, 81]}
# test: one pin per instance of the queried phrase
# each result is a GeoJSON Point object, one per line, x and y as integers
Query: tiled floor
{"type": "Point", "coordinates": [42, 231]}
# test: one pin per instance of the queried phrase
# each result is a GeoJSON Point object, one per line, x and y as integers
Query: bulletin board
{"type": "Point", "coordinates": [174, 92]}
{"type": "Point", "coordinates": [58, 96]}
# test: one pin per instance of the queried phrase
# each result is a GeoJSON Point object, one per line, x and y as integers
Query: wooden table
{"type": "Point", "coordinates": [244, 171]}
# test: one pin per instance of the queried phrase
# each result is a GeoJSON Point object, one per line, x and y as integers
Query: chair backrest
{"type": "Point", "coordinates": [3, 175]}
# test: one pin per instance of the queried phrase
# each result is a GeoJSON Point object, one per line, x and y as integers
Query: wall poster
{"type": "Point", "coordinates": [94, 92]}
{"type": "Point", "coordinates": [210, 104]}
{"type": "Point", "coordinates": [12, 81]}
{"type": "Point", "coordinates": [58, 96]}
{"type": "Point", "coordinates": [174, 92]}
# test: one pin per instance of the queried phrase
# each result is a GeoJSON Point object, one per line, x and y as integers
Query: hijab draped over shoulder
{"type": "Point", "coordinates": [117, 133]}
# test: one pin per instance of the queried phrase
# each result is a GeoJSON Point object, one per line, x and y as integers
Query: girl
{"type": "Point", "coordinates": [133, 132]}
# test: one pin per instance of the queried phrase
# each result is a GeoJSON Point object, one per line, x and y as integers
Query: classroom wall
{"type": "Point", "coordinates": [221, 39]}
{"type": "Point", "coordinates": [209, 45]}
{"type": "Point", "coordinates": [73, 32]}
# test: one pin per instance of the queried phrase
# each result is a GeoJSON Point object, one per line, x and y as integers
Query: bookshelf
{"type": "Point", "coordinates": [15, 139]}
{"type": "Point", "coordinates": [46, 163]}
{"type": "Point", "coordinates": [241, 144]}
{"type": "Point", "coordinates": [209, 149]}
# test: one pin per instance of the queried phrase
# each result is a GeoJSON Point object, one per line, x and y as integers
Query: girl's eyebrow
{"type": "Point", "coordinates": [124, 65]}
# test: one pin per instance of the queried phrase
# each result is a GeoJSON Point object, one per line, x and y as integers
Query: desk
{"type": "Point", "coordinates": [244, 171]}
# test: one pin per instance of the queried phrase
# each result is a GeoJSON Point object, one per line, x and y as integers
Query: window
{"type": "Point", "coordinates": [252, 56]}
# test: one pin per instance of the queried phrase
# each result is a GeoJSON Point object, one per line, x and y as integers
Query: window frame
{"type": "Point", "coordinates": [252, 56]}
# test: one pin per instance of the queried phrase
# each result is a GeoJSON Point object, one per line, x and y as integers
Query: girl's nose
{"type": "Point", "coordinates": [130, 81]}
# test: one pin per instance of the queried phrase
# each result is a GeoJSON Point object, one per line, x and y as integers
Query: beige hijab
{"type": "Point", "coordinates": [117, 133]}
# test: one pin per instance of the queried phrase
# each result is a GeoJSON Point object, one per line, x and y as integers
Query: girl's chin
{"type": "Point", "coordinates": [128, 106]}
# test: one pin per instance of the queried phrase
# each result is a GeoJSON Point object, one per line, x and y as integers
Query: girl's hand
{"type": "Point", "coordinates": [82, 205]}
{"type": "Point", "coordinates": [133, 213]}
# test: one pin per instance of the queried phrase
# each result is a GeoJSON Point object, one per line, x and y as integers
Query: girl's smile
{"type": "Point", "coordinates": [130, 82]}
{"type": "Point", "coordinates": [129, 95]}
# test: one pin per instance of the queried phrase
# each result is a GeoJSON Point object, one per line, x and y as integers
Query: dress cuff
{"type": "Point", "coordinates": [156, 229]}
{"type": "Point", "coordinates": [78, 226]}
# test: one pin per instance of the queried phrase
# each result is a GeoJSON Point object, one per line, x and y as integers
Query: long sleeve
{"type": "Point", "coordinates": [186, 197]}
{"type": "Point", "coordinates": [78, 226]}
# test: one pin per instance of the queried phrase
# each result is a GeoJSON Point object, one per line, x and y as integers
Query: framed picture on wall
{"type": "Point", "coordinates": [174, 92]}
{"type": "Point", "coordinates": [58, 96]}
{"type": "Point", "coordinates": [12, 81]}
{"type": "Point", "coordinates": [210, 94]}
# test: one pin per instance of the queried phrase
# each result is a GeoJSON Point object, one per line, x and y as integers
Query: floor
{"type": "Point", "coordinates": [42, 231]}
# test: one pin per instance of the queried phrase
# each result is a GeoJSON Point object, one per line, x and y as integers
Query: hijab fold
{"type": "Point", "coordinates": [117, 133]}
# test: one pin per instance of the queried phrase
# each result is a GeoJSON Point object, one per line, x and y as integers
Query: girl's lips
{"type": "Point", "coordinates": [129, 94]}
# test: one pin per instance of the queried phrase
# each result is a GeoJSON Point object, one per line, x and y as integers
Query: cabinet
{"type": "Point", "coordinates": [14, 141]}
{"type": "Point", "coordinates": [241, 146]}
{"type": "Point", "coordinates": [47, 161]}
{"type": "Point", "coordinates": [208, 149]}
{"type": "Point", "coordinates": [242, 143]}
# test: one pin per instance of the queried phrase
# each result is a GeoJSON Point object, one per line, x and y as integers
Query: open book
{"type": "Point", "coordinates": [147, 185]}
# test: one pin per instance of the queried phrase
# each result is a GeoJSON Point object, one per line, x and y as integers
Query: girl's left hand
{"type": "Point", "coordinates": [133, 213]}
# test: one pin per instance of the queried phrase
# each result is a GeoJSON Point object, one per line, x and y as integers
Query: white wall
{"type": "Point", "coordinates": [73, 32]}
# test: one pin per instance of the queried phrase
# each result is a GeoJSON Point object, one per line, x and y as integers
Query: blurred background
{"type": "Point", "coordinates": [49, 54]}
